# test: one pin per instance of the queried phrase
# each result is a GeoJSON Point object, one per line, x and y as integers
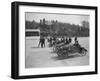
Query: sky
{"type": "Point", "coordinates": [65, 18]}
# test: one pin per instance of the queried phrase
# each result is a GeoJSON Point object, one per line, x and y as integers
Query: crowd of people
{"type": "Point", "coordinates": [54, 40]}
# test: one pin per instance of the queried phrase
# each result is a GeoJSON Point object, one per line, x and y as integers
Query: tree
{"type": "Point", "coordinates": [85, 24]}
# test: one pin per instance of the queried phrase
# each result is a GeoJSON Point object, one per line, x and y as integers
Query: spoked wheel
{"type": "Point", "coordinates": [58, 53]}
{"type": "Point", "coordinates": [54, 49]}
{"type": "Point", "coordinates": [65, 54]}
{"type": "Point", "coordinates": [83, 52]}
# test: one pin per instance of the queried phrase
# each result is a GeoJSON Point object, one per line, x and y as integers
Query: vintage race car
{"type": "Point", "coordinates": [69, 49]}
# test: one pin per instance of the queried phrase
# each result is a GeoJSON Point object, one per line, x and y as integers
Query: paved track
{"type": "Point", "coordinates": [44, 57]}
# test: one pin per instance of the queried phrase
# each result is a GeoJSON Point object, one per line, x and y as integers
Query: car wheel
{"type": "Point", "coordinates": [83, 52]}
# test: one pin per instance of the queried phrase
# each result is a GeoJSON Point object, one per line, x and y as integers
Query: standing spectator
{"type": "Point", "coordinates": [75, 39]}
{"type": "Point", "coordinates": [43, 42]}
{"type": "Point", "coordinates": [40, 41]}
{"type": "Point", "coordinates": [70, 40]}
{"type": "Point", "coordinates": [66, 41]}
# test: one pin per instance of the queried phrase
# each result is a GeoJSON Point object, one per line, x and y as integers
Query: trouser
{"type": "Point", "coordinates": [39, 43]}
{"type": "Point", "coordinates": [43, 44]}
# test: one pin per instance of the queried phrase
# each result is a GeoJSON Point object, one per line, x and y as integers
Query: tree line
{"type": "Point", "coordinates": [55, 28]}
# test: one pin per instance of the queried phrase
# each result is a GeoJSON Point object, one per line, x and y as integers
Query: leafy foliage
{"type": "Point", "coordinates": [60, 29]}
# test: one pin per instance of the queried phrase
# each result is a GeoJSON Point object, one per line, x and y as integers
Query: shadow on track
{"type": "Point", "coordinates": [64, 57]}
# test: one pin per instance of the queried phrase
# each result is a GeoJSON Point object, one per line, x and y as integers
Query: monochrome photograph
{"type": "Point", "coordinates": [56, 40]}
